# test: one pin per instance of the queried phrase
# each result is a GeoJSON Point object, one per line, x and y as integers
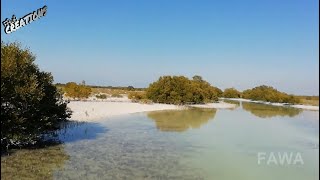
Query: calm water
{"type": "Point", "coordinates": [186, 144]}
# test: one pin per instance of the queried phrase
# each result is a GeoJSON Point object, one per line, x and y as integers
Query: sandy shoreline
{"type": "Point", "coordinates": [220, 105]}
{"type": "Point", "coordinates": [95, 110]}
{"type": "Point", "coordinates": [98, 110]}
{"type": "Point", "coordinates": [306, 107]}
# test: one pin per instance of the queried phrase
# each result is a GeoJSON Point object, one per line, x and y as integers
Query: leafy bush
{"type": "Point", "coordinates": [130, 88]}
{"type": "Point", "coordinates": [231, 93]}
{"type": "Point", "coordinates": [74, 90]}
{"type": "Point", "coordinates": [145, 101]}
{"type": "Point", "coordinates": [218, 91]}
{"type": "Point", "coordinates": [101, 96]}
{"type": "Point", "coordinates": [30, 104]}
{"type": "Point", "coordinates": [269, 94]}
{"type": "Point", "coordinates": [137, 95]}
{"type": "Point", "coordinates": [117, 95]}
{"type": "Point", "coordinates": [181, 90]}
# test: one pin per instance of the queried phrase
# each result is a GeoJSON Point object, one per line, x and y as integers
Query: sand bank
{"type": "Point", "coordinates": [220, 105]}
{"type": "Point", "coordinates": [306, 107]}
{"type": "Point", "coordinates": [95, 111]}
{"type": "Point", "coordinates": [98, 110]}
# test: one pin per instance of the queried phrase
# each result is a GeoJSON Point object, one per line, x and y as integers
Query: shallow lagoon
{"type": "Point", "coordinates": [185, 144]}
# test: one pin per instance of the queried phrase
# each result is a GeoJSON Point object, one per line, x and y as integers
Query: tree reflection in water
{"type": "Point", "coordinates": [181, 120]}
{"type": "Point", "coordinates": [268, 111]}
{"type": "Point", "coordinates": [237, 103]}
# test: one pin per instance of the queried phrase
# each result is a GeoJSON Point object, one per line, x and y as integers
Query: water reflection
{"type": "Point", "coordinates": [33, 164]}
{"type": "Point", "coordinates": [268, 111]}
{"type": "Point", "coordinates": [49, 156]}
{"type": "Point", "coordinates": [74, 131]}
{"type": "Point", "coordinates": [232, 102]}
{"type": "Point", "coordinates": [130, 147]}
{"type": "Point", "coordinates": [181, 120]}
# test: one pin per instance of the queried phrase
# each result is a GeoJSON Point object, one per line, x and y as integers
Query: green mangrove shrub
{"type": "Point", "coordinates": [231, 93]}
{"type": "Point", "coordinates": [269, 94]}
{"type": "Point", "coordinates": [79, 91]}
{"type": "Point", "coordinates": [30, 104]}
{"type": "Point", "coordinates": [181, 90]}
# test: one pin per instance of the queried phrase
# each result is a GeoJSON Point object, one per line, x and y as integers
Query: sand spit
{"type": "Point", "coordinates": [306, 107]}
{"type": "Point", "coordinates": [98, 110]}
{"type": "Point", "coordinates": [220, 105]}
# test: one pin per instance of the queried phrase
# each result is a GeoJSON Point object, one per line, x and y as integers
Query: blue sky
{"type": "Point", "coordinates": [232, 43]}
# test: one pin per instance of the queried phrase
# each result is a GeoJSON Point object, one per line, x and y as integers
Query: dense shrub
{"type": "Point", "coordinates": [231, 93]}
{"type": "Point", "coordinates": [130, 88]}
{"type": "Point", "coordinates": [30, 104]}
{"type": "Point", "coordinates": [145, 101]}
{"type": "Point", "coordinates": [269, 94]}
{"type": "Point", "coordinates": [218, 91]}
{"type": "Point", "coordinates": [116, 95]}
{"type": "Point", "coordinates": [139, 96]}
{"type": "Point", "coordinates": [78, 91]}
{"type": "Point", "coordinates": [135, 95]}
{"type": "Point", "coordinates": [181, 90]}
{"type": "Point", "coordinates": [101, 96]}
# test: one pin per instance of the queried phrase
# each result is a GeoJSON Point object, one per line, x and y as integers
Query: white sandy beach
{"type": "Point", "coordinates": [98, 110]}
{"type": "Point", "coordinates": [306, 107]}
{"type": "Point", "coordinates": [220, 105]}
{"type": "Point", "coordinates": [95, 111]}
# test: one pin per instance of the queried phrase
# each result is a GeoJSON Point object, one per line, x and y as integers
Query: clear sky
{"type": "Point", "coordinates": [234, 43]}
